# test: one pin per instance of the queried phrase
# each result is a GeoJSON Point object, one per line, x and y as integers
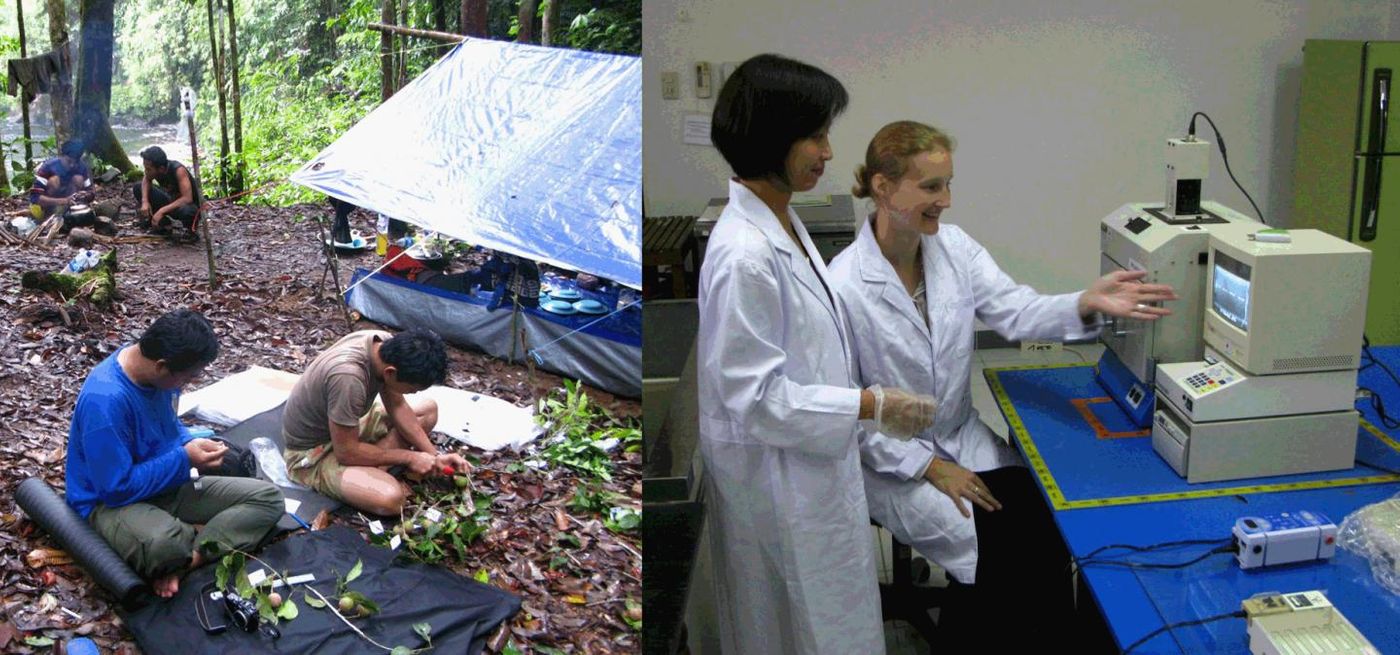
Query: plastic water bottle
{"type": "Point", "coordinates": [271, 462]}
{"type": "Point", "coordinates": [381, 236]}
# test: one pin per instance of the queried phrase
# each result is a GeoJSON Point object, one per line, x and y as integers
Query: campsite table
{"type": "Point", "coordinates": [1112, 488]}
{"type": "Point", "coordinates": [668, 241]}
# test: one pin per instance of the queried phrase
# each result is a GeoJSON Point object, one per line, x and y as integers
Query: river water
{"type": "Point", "coordinates": [133, 137]}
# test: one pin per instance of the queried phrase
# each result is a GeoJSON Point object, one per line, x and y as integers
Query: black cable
{"type": "Point", "coordinates": [1165, 544]}
{"type": "Point", "coordinates": [1220, 142]}
{"type": "Point", "coordinates": [1376, 402]}
{"type": "Point", "coordinates": [1379, 406]}
{"type": "Point", "coordinates": [1240, 614]}
{"type": "Point", "coordinates": [1228, 548]}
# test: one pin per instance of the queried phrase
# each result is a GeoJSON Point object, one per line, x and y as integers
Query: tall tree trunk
{"type": "Point", "coordinates": [61, 98]}
{"type": "Point", "coordinates": [216, 54]}
{"type": "Point", "coordinates": [386, 52]}
{"type": "Point", "coordinates": [24, 93]}
{"type": "Point", "coordinates": [526, 19]}
{"type": "Point", "coordinates": [95, 84]}
{"type": "Point", "coordinates": [474, 18]}
{"type": "Point", "coordinates": [238, 166]}
{"type": "Point", "coordinates": [440, 23]}
{"type": "Point", "coordinates": [549, 34]}
{"type": "Point", "coordinates": [403, 45]}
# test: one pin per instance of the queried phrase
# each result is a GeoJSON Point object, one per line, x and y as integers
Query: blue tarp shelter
{"type": "Point", "coordinates": [530, 151]}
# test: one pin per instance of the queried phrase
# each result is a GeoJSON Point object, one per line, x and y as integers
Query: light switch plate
{"type": "Point", "coordinates": [670, 85]}
{"type": "Point", "coordinates": [704, 80]}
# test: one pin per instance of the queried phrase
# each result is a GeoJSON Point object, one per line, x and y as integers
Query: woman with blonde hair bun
{"type": "Point", "coordinates": [912, 289]}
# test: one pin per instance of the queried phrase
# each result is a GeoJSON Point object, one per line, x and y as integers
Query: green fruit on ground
{"type": "Point", "coordinates": [460, 481]}
{"type": "Point", "coordinates": [346, 604]}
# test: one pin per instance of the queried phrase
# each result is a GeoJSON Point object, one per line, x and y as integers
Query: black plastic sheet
{"type": "Point", "coordinates": [462, 612]}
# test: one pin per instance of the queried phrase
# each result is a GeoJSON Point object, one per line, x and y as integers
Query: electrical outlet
{"type": "Point", "coordinates": [670, 85]}
{"type": "Point", "coordinates": [1041, 346]}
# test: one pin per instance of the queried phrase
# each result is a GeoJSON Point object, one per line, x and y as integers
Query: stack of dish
{"type": "Point", "coordinates": [589, 306]}
{"type": "Point", "coordinates": [557, 307]}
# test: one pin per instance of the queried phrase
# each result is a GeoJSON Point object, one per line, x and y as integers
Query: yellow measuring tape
{"type": "Point", "coordinates": [1057, 496]}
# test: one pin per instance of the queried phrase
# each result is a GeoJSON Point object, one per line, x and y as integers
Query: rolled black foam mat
{"type": "Point", "coordinates": [76, 536]}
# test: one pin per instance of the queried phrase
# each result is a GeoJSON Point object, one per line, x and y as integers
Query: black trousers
{"type": "Point", "coordinates": [1023, 579]}
{"type": "Point", "coordinates": [159, 198]}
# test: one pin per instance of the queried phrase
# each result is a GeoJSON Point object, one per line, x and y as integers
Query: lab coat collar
{"type": "Point", "coordinates": [761, 216]}
{"type": "Point", "coordinates": [876, 270]}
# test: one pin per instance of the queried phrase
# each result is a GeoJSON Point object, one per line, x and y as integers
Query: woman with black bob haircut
{"type": "Point", "coordinates": [790, 536]}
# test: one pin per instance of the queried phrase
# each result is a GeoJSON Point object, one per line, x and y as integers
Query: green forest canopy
{"type": "Point", "coordinates": [310, 69]}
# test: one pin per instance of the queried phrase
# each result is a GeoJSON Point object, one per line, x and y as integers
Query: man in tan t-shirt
{"type": "Point", "coordinates": [340, 439]}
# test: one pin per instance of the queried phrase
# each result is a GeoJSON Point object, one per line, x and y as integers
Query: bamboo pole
{"type": "Point", "coordinates": [201, 212]}
{"type": "Point", "coordinates": [333, 265]}
{"type": "Point", "coordinates": [423, 34]}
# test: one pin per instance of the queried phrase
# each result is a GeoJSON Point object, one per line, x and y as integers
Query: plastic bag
{"type": "Point", "coordinates": [84, 260]}
{"type": "Point", "coordinates": [1373, 532]}
{"type": "Point", "coordinates": [271, 462]}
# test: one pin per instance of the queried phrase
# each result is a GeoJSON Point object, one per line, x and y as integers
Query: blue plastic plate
{"type": "Point", "coordinates": [591, 306]}
{"type": "Point", "coordinates": [558, 307]}
{"type": "Point", "coordinates": [565, 294]}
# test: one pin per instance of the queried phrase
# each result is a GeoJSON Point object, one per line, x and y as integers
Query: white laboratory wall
{"type": "Point", "coordinates": [1061, 109]}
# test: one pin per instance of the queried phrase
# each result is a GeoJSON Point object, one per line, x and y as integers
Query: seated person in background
{"type": "Point", "coordinates": [129, 460]}
{"type": "Point", "coordinates": [340, 229]}
{"type": "Point", "coordinates": [59, 182]}
{"type": "Point", "coordinates": [520, 282]}
{"type": "Point", "coordinates": [167, 190]}
{"type": "Point", "coordinates": [340, 439]}
{"type": "Point", "coordinates": [84, 257]}
{"type": "Point", "coordinates": [412, 269]}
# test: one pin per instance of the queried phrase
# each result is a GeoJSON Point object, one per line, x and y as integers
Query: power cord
{"type": "Point", "coordinates": [1225, 548]}
{"type": "Point", "coordinates": [1238, 614]}
{"type": "Point", "coordinates": [1377, 403]}
{"type": "Point", "coordinates": [1165, 544]}
{"type": "Point", "coordinates": [1220, 141]}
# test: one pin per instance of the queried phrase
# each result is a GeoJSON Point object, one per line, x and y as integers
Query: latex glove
{"type": "Point", "coordinates": [901, 414]}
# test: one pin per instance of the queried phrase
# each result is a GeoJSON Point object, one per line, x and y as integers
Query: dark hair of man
{"type": "Point", "coordinates": [769, 103]}
{"type": "Point", "coordinates": [155, 156]}
{"type": "Point", "coordinates": [183, 338]}
{"type": "Point", "coordinates": [418, 355]}
{"type": "Point", "coordinates": [71, 148]}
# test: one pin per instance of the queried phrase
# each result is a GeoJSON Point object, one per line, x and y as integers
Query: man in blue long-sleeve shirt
{"type": "Point", "coordinates": [130, 460]}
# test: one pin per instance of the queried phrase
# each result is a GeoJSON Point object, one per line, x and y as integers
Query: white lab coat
{"type": "Point", "coordinates": [789, 531]}
{"type": "Point", "coordinates": [894, 347]}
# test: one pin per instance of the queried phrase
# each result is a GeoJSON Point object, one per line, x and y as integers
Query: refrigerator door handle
{"type": "Point", "coordinates": [1371, 191]}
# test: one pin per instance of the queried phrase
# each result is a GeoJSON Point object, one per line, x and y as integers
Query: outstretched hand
{"type": "Point", "coordinates": [1123, 294]}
